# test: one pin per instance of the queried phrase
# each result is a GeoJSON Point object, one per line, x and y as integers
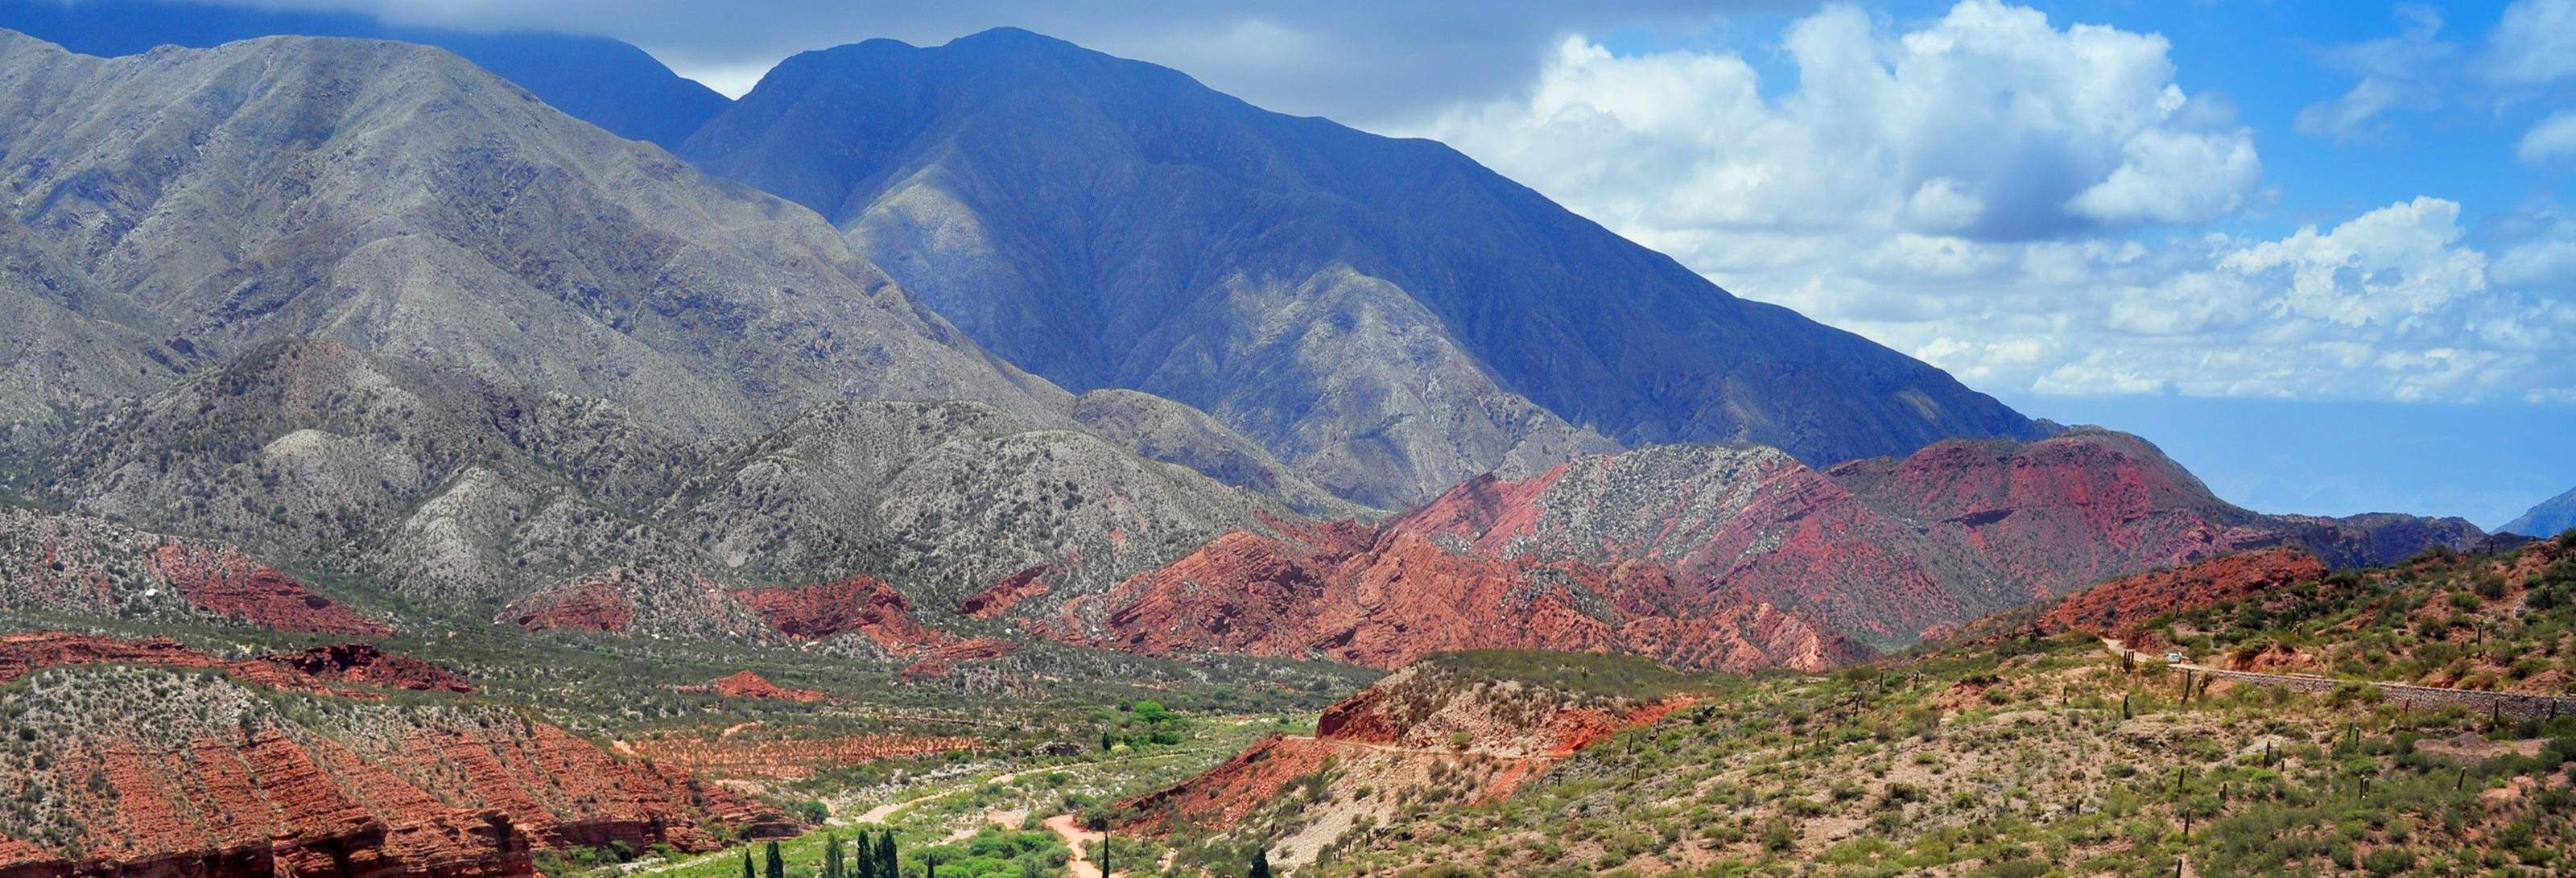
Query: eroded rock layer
{"type": "Point", "coordinates": [153, 768]}
{"type": "Point", "coordinates": [1730, 557]}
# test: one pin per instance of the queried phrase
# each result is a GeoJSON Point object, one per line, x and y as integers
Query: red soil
{"type": "Point", "coordinates": [226, 582]}
{"type": "Point", "coordinates": [745, 684]}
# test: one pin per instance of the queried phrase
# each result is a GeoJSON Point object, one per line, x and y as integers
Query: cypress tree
{"type": "Point", "coordinates": [889, 865]}
{"type": "Point", "coordinates": [832, 856]}
{"type": "Point", "coordinates": [1260, 863]}
{"type": "Point", "coordinates": [866, 864]}
{"type": "Point", "coordinates": [777, 864]}
{"type": "Point", "coordinates": [746, 862]}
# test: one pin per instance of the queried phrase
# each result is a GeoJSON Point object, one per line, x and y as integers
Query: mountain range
{"type": "Point", "coordinates": [1385, 315]}
{"type": "Point", "coordinates": [2552, 517]}
{"type": "Point", "coordinates": [1005, 370]}
{"type": "Point", "coordinates": [602, 81]}
{"type": "Point", "coordinates": [360, 308]}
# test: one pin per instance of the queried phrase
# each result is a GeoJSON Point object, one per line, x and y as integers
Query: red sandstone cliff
{"type": "Point", "coordinates": [191, 775]}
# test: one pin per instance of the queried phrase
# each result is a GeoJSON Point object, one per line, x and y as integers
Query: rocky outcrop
{"type": "Point", "coordinates": [745, 684]}
{"type": "Point", "coordinates": [368, 665]}
{"type": "Point", "coordinates": [149, 772]}
{"type": "Point", "coordinates": [595, 605]}
{"type": "Point", "coordinates": [860, 604]}
{"type": "Point", "coordinates": [939, 660]}
{"type": "Point", "coordinates": [992, 602]}
{"type": "Point", "coordinates": [2114, 608]}
{"type": "Point", "coordinates": [1453, 729]}
{"type": "Point", "coordinates": [326, 670]}
{"type": "Point", "coordinates": [870, 609]}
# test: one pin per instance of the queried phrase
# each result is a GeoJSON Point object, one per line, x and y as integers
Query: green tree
{"type": "Point", "coordinates": [888, 864]}
{"type": "Point", "coordinates": [777, 864]}
{"type": "Point", "coordinates": [1260, 863]}
{"type": "Point", "coordinates": [832, 856]}
{"type": "Point", "coordinates": [866, 864]}
{"type": "Point", "coordinates": [746, 862]}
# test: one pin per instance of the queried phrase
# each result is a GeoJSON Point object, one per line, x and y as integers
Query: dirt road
{"type": "Point", "coordinates": [1076, 837]}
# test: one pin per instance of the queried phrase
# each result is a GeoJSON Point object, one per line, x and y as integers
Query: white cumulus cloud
{"type": "Point", "coordinates": [1990, 124]}
{"type": "Point", "coordinates": [2018, 202]}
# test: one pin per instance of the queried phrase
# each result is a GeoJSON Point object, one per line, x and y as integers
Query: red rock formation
{"type": "Point", "coordinates": [1002, 596]}
{"type": "Point", "coordinates": [2114, 608]}
{"type": "Point", "coordinates": [19, 859]}
{"type": "Point", "coordinates": [939, 660]}
{"type": "Point", "coordinates": [365, 664]}
{"type": "Point", "coordinates": [1730, 557]}
{"type": "Point", "coordinates": [1384, 599]}
{"type": "Point", "coordinates": [859, 603]}
{"type": "Point", "coordinates": [594, 605]}
{"type": "Point", "coordinates": [24, 654]}
{"type": "Point", "coordinates": [409, 793]}
{"type": "Point", "coordinates": [314, 670]}
{"type": "Point", "coordinates": [745, 684]}
{"type": "Point", "coordinates": [2041, 518]}
{"type": "Point", "coordinates": [882, 614]}
{"type": "Point", "coordinates": [1408, 730]}
{"type": "Point", "coordinates": [226, 582]}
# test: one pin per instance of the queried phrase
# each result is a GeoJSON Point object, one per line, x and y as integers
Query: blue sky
{"type": "Point", "coordinates": [2319, 251]}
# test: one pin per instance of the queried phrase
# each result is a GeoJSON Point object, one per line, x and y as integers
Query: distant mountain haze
{"type": "Point", "coordinates": [605, 82]}
{"type": "Point", "coordinates": [2551, 518]}
{"type": "Point", "coordinates": [1386, 316]}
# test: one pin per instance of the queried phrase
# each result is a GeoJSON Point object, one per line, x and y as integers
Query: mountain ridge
{"type": "Point", "coordinates": [608, 83]}
{"type": "Point", "coordinates": [2545, 519]}
{"type": "Point", "coordinates": [1111, 223]}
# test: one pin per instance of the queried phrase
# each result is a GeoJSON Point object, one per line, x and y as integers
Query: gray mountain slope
{"type": "Point", "coordinates": [1384, 315]}
{"type": "Point", "coordinates": [2552, 517]}
{"type": "Point", "coordinates": [444, 490]}
{"type": "Point", "coordinates": [607, 83]}
{"type": "Point", "coordinates": [186, 206]}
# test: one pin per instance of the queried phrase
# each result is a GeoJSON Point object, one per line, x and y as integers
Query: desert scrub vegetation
{"type": "Point", "coordinates": [2493, 622]}
{"type": "Point", "coordinates": [1585, 675]}
{"type": "Point", "coordinates": [2016, 759]}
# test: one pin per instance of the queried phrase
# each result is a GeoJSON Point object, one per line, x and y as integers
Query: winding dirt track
{"type": "Point", "coordinates": [1075, 837]}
